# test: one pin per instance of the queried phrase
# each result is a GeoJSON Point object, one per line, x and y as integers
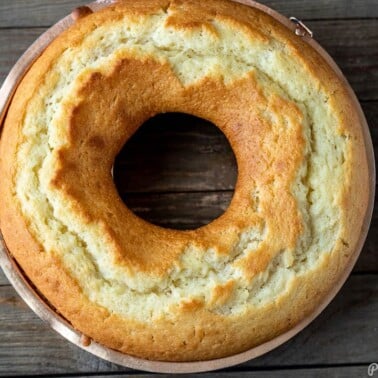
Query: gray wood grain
{"type": "Point", "coordinates": [3, 279]}
{"type": "Point", "coordinates": [31, 13]}
{"type": "Point", "coordinates": [345, 333]}
{"type": "Point", "coordinates": [353, 44]}
{"type": "Point", "coordinates": [325, 9]}
{"type": "Point", "coordinates": [179, 210]}
{"type": "Point", "coordinates": [368, 260]}
{"type": "Point", "coordinates": [176, 153]}
{"type": "Point", "coordinates": [370, 255]}
{"type": "Point", "coordinates": [13, 43]}
{"type": "Point", "coordinates": [335, 372]}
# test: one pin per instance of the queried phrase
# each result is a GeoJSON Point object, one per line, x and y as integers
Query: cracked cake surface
{"type": "Point", "coordinates": [248, 276]}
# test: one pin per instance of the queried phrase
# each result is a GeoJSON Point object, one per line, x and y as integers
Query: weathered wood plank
{"type": "Point", "coordinates": [173, 153]}
{"type": "Point", "coordinates": [346, 333]}
{"type": "Point", "coordinates": [371, 113]}
{"type": "Point", "coordinates": [357, 59]}
{"type": "Point", "coordinates": [34, 13]}
{"type": "Point", "coordinates": [13, 44]}
{"type": "Point", "coordinates": [349, 323]}
{"type": "Point", "coordinates": [3, 279]}
{"type": "Point", "coordinates": [179, 210]}
{"type": "Point", "coordinates": [353, 44]}
{"type": "Point", "coordinates": [33, 348]}
{"type": "Point", "coordinates": [324, 9]}
{"type": "Point", "coordinates": [339, 372]}
{"type": "Point", "coordinates": [29, 13]}
{"type": "Point", "coordinates": [368, 260]}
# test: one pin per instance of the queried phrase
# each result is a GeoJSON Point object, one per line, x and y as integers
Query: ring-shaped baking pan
{"type": "Point", "coordinates": [47, 313]}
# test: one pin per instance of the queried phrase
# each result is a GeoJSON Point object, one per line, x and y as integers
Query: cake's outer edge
{"type": "Point", "coordinates": [204, 334]}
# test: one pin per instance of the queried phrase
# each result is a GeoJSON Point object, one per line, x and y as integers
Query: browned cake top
{"type": "Point", "coordinates": [157, 293]}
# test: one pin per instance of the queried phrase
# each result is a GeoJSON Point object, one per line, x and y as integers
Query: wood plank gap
{"type": "Point", "coordinates": [38, 12]}
{"type": "Point", "coordinates": [69, 375]}
{"type": "Point", "coordinates": [368, 101]}
{"type": "Point", "coordinates": [219, 373]}
{"type": "Point", "coordinates": [365, 272]}
{"type": "Point", "coordinates": [339, 19]}
{"type": "Point", "coordinates": [297, 367]}
{"type": "Point", "coordinates": [43, 27]}
{"type": "Point", "coordinates": [168, 192]}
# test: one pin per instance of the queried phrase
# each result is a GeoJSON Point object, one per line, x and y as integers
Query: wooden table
{"type": "Point", "coordinates": [186, 180]}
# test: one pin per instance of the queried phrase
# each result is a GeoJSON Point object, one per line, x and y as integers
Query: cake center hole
{"type": "Point", "coordinates": [177, 171]}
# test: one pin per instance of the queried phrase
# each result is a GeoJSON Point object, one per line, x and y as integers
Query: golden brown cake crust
{"type": "Point", "coordinates": [99, 117]}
